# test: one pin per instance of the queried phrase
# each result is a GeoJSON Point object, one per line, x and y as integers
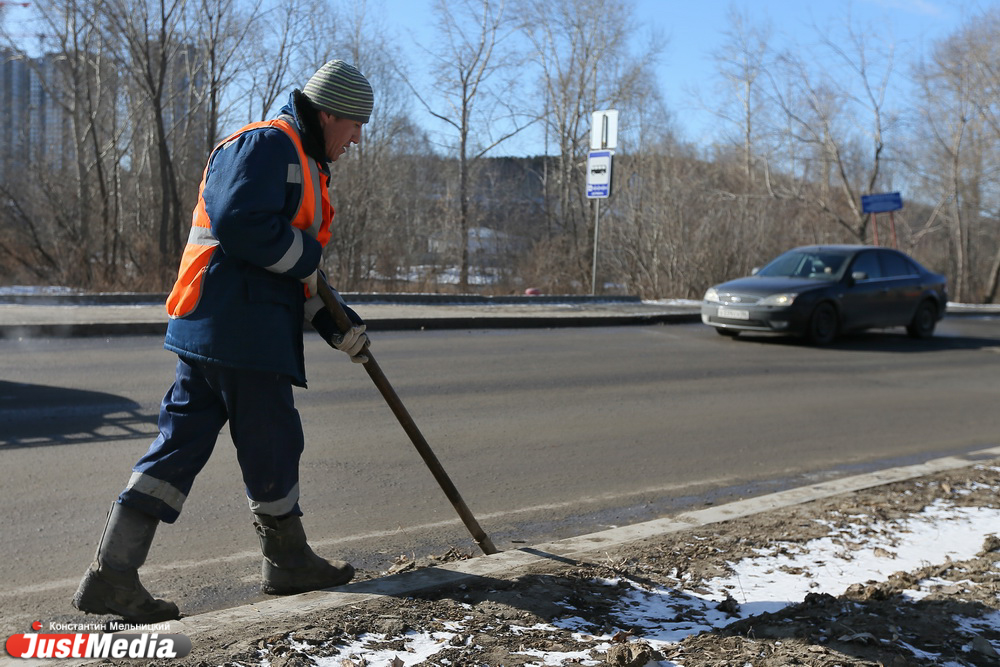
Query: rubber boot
{"type": "Point", "coordinates": [111, 584]}
{"type": "Point", "coordinates": [289, 565]}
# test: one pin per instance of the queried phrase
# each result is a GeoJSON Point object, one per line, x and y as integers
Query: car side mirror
{"type": "Point", "coordinates": [858, 276]}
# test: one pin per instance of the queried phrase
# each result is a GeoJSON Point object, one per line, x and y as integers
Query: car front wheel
{"type": "Point", "coordinates": [823, 324]}
{"type": "Point", "coordinates": [922, 325]}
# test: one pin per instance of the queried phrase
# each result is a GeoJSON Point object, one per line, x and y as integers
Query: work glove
{"type": "Point", "coordinates": [353, 342]}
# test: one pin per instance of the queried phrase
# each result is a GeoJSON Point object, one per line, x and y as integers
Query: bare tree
{"type": "Point", "coordinates": [742, 65]}
{"type": "Point", "coordinates": [223, 32]}
{"type": "Point", "coordinates": [379, 188]}
{"type": "Point", "coordinates": [956, 143]}
{"type": "Point", "coordinates": [470, 74]}
{"type": "Point", "coordinates": [74, 202]}
{"type": "Point", "coordinates": [151, 41]}
{"type": "Point", "coordinates": [835, 120]}
{"type": "Point", "coordinates": [292, 39]}
{"type": "Point", "coordinates": [581, 51]}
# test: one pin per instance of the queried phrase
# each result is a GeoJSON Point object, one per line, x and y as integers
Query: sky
{"type": "Point", "coordinates": [694, 30]}
{"type": "Point", "coordinates": [781, 574]}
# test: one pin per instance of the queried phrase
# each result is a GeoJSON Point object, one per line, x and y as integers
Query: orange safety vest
{"type": "Point", "coordinates": [311, 217]}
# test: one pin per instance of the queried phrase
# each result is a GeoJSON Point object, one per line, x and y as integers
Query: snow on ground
{"type": "Point", "coordinates": [32, 290]}
{"type": "Point", "coordinates": [672, 302]}
{"type": "Point", "coordinates": [784, 573]}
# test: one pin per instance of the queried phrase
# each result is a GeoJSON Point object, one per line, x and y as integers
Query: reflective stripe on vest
{"type": "Point", "coordinates": [308, 218]}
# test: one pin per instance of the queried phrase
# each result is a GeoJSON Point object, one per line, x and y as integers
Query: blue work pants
{"type": "Point", "coordinates": [264, 425]}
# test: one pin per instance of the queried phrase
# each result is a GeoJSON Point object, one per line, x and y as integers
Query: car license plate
{"type": "Point", "coordinates": [734, 314]}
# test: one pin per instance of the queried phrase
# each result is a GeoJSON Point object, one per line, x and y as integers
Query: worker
{"type": "Point", "coordinates": [248, 280]}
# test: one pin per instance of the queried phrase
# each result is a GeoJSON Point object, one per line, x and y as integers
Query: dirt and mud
{"type": "Point", "coordinates": [516, 621]}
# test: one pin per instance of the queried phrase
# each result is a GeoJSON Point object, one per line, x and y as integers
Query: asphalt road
{"type": "Point", "coordinates": [547, 434]}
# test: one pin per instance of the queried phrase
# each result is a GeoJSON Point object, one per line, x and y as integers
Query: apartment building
{"type": "Point", "coordinates": [33, 126]}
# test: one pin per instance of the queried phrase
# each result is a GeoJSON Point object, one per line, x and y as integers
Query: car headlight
{"type": "Point", "coordinates": [712, 295]}
{"type": "Point", "coordinates": [778, 300]}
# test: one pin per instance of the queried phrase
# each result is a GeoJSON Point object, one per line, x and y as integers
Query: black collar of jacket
{"type": "Point", "coordinates": [309, 128]}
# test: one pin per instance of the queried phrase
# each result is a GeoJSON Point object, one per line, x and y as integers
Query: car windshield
{"type": "Point", "coordinates": [817, 265]}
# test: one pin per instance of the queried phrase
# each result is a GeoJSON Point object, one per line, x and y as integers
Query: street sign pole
{"type": "Point", "coordinates": [598, 187]}
{"type": "Point", "coordinates": [597, 223]}
{"type": "Point", "coordinates": [603, 141]}
{"type": "Point", "coordinates": [886, 202]}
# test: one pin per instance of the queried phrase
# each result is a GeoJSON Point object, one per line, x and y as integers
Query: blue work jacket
{"type": "Point", "coordinates": [248, 310]}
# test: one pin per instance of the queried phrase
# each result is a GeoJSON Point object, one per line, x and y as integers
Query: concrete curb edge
{"type": "Point", "coordinates": [567, 550]}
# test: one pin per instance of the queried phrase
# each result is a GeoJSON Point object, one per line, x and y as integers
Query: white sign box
{"type": "Point", "coordinates": [604, 130]}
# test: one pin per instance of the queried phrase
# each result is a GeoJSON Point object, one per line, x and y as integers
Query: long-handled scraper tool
{"type": "Point", "coordinates": [344, 323]}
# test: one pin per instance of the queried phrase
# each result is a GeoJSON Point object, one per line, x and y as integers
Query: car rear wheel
{"type": "Point", "coordinates": [823, 325]}
{"type": "Point", "coordinates": [731, 333]}
{"type": "Point", "coordinates": [922, 324]}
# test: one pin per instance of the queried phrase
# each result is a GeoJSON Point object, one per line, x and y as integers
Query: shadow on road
{"type": "Point", "coordinates": [33, 415]}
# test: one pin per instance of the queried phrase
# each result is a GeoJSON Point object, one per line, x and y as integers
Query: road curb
{"type": "Point", "coordinates": [390, 298]}
{"type": "Point", "coordinates": [527, 321]}
{"type": "Point", "coordinates": [566, 551]}
{"type": "Point", "coordinates": [375, 324]}
{"type": "Point", "coordinates": [82, 330]}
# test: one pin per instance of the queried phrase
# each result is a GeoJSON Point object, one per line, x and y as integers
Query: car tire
{"type": "Point", "coordinates": [923, 322]}
{"type": "Point", "coordinates": [729, 333]}
{"type": "Point", "coordinates": [823, 324]}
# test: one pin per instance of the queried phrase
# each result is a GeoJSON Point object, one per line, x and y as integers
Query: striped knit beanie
{"type": "Point", "coordinates": [340, 89]}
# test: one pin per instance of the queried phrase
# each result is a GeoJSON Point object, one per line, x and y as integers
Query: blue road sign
{"type": "Point", "coordinates": [598, 190]}
{"type": "Point", "coordinates": [599, 174]}
{"type": "Point", "coordinates": [882, 203]}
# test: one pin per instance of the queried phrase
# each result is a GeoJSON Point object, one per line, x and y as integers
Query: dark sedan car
{"type": "Point", "coordinates": [821, 291]}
